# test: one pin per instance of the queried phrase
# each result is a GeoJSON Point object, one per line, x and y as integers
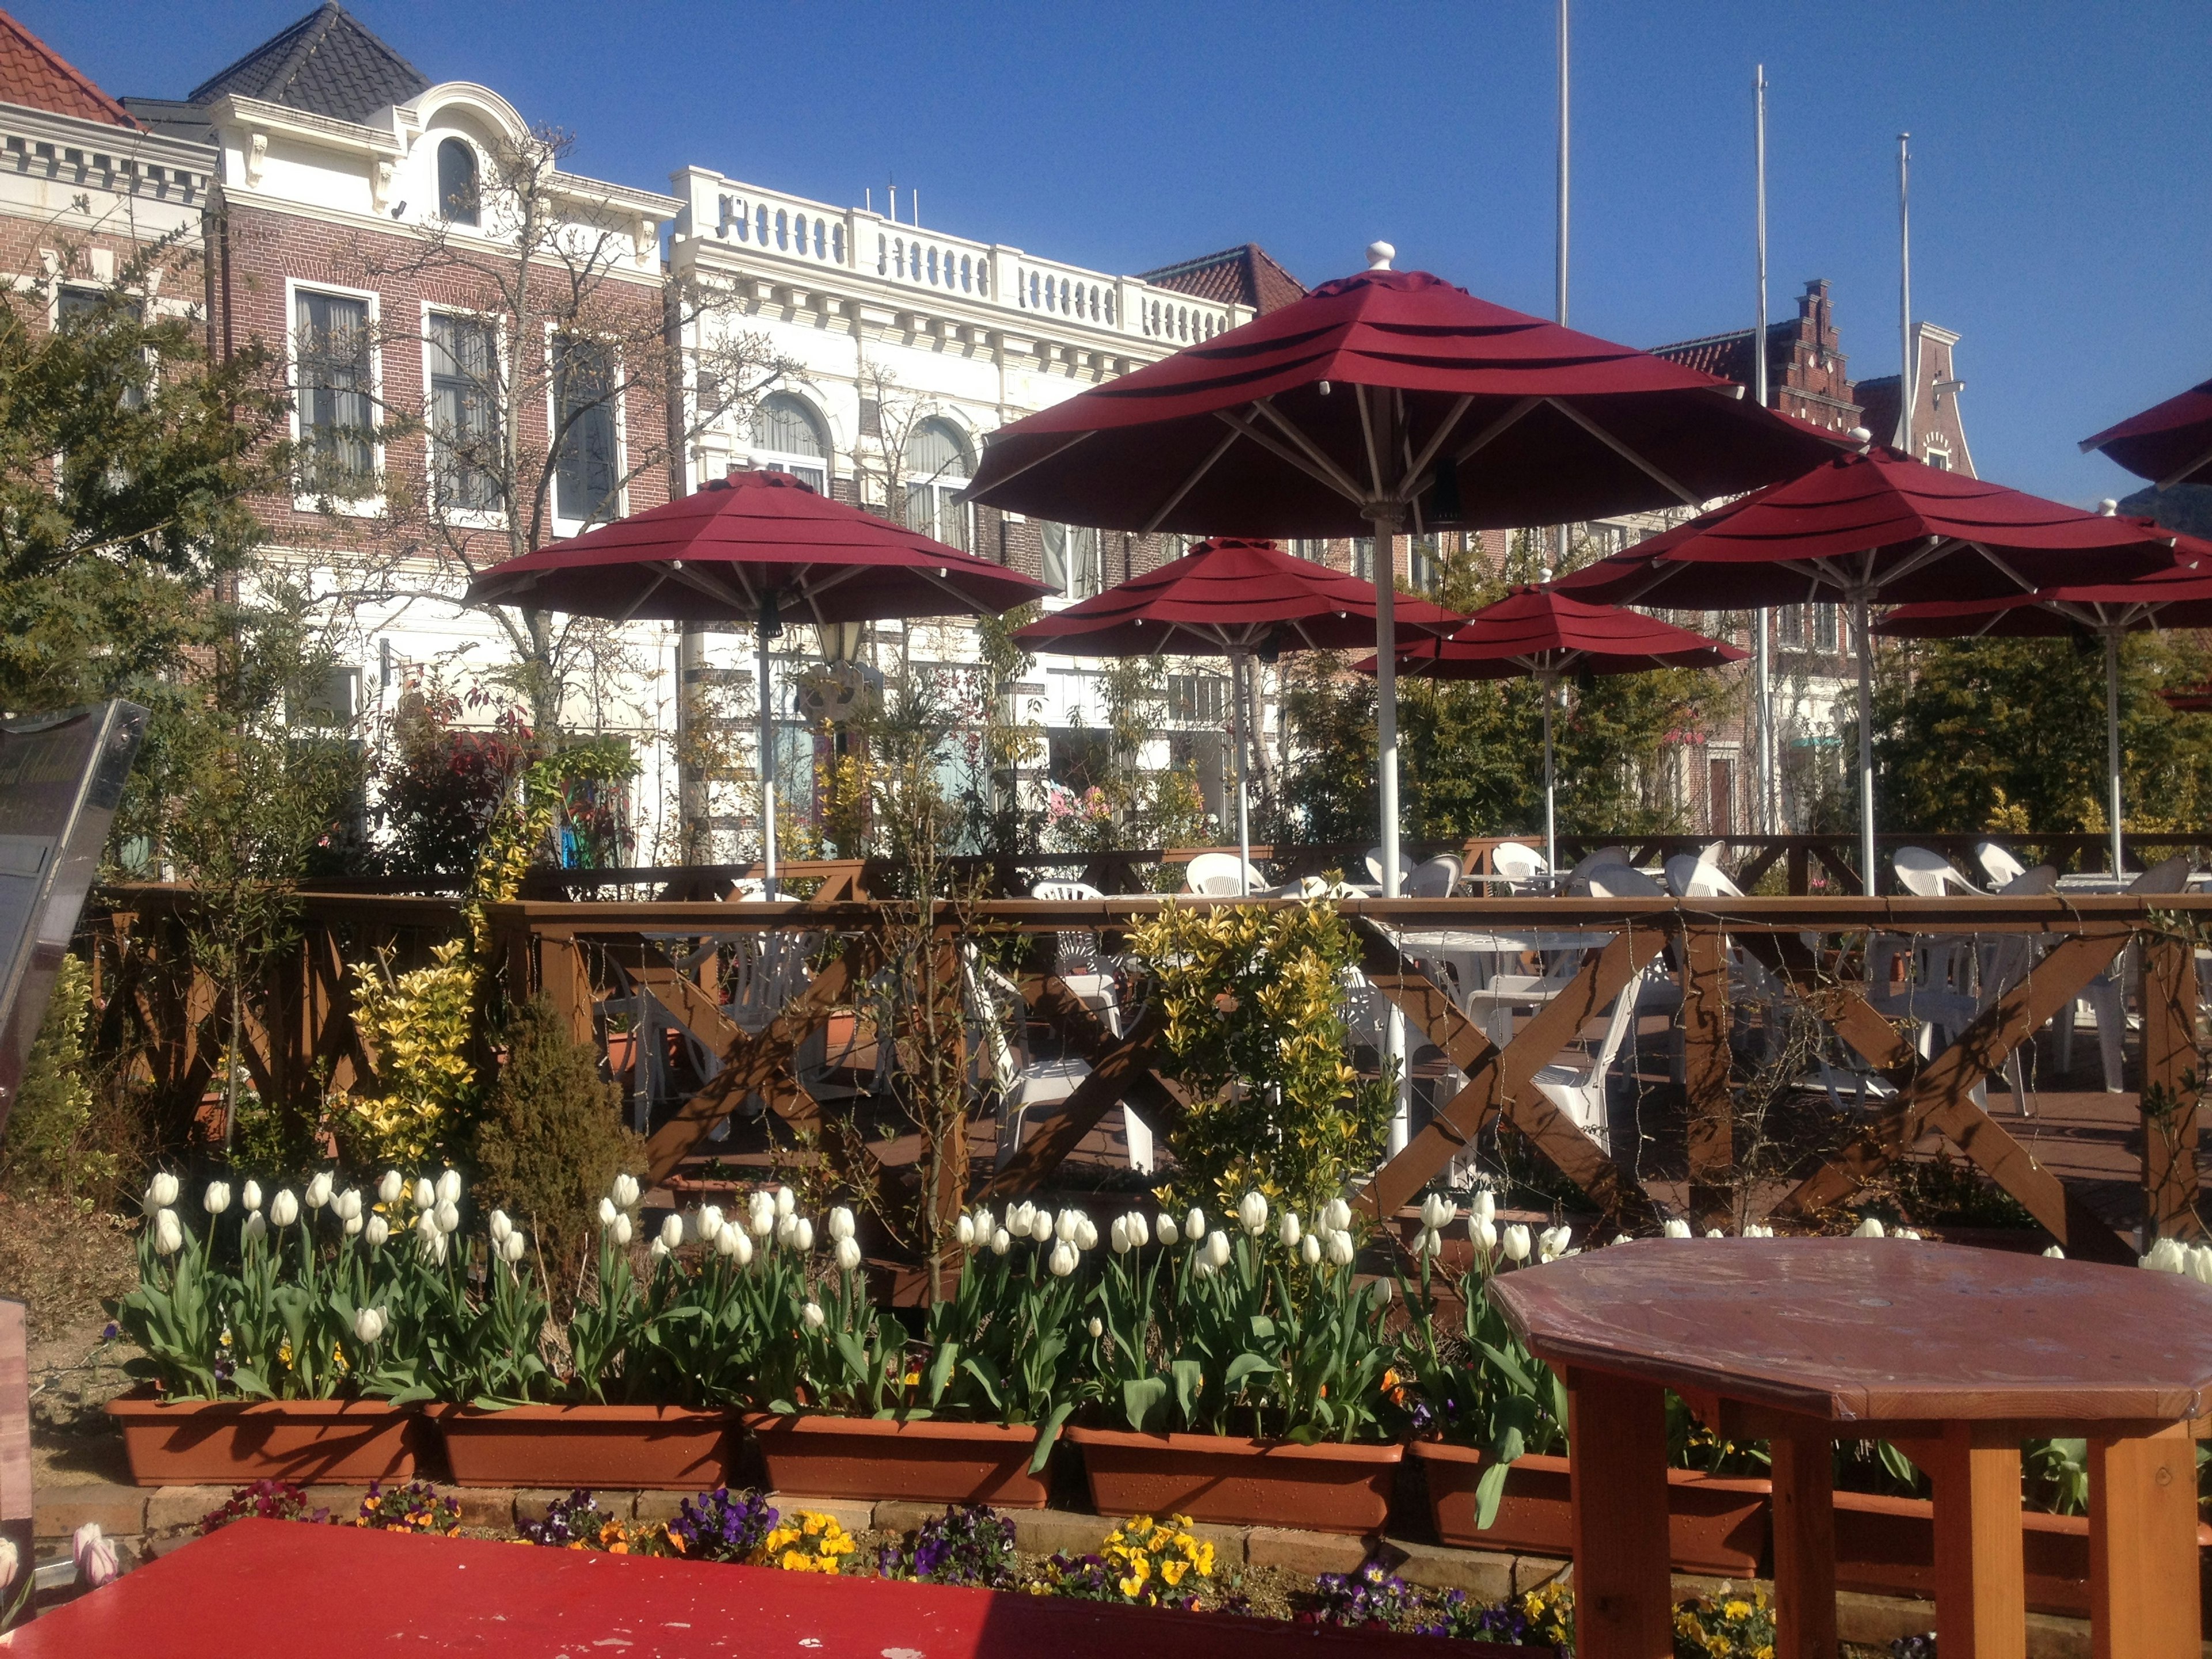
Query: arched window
{"type": "Point", "coordinates": [457, 182]}
{"type": "Point", "coordinates": [936, 467]}
{"type": "Point", "coordinates": [788, 438]}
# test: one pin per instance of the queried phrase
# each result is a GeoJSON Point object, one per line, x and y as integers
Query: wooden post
{"type": "Point", "coordinates": [1804, 1549]}
{"type": "Point", "coordinates": [1801, 870]}
{"type": "Point", "coordinates": [1617, 1475]}
{"type": "Point", "coordinates": [2170, 1089]}
{"type": "Point", "coordinates": [1981, 1588]}
{"type": "Point", "coordinates": [1705, 1074]}
{"type": "Point", "coordinates": [2143, 1588]}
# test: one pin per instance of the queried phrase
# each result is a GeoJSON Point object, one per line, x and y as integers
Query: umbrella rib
{"type": "Point", "coordinates": [1496, 428]}
{"type": "Point", "coordinates": [1624, 450]}
{"type": "Point", "coordinates": [660, 575]}
{"type": "Point", "coordinates": [1053, 453]}
{"type": "Point", "coordinates": [974, 606]}
{"type": "Point", "coordinates": [1420, 462]}
{"type": "Point", "coordinates": [693, 577]}
{"type": "Point", "coordinates": [1367, 436]}
{"type": "Point", "coordinates": [1190, 483]}
{"type": "Point", "coordinates": [1325, 473]}
{"type": "Point", "coordinates": [1338, 478]}
{"type": "Point", "coordinates": [2172, 479]}
{"type": "Point", "coordinates": [2026, 586]}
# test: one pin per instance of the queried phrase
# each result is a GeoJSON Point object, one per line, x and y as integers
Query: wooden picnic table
{"type": "Point", "coordinates": [1953, 1354]}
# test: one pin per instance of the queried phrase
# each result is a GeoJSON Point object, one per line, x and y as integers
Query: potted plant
{"type": "Point", "coordinates": [1239, 1379]}
{"type": "Point", "coordinates": [261, 1362]}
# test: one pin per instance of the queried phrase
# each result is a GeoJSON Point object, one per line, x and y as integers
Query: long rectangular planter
{"type": "Point", "coordinates": [1715, 1524]}
{"type": "Point", "coordinates": [664, 1448]}
{"type": "Point", "coordinates": [221, 1442]}
{"type": "Point", "coordinates": [924, 1460]}
{"type": "Point", "coordinates": [1230, 1481]}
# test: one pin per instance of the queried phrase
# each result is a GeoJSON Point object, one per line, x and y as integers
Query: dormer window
{"type": "Point", "coordinates": [457, 182]}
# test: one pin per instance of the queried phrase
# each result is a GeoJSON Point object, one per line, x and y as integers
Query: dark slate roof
{"type": "Point", "coordinates": [326, 63]}
{"type": "Point", "coordinates": [1728, 356]}
{"type": "Point", "coordinates": [1244, 276]}
{"type": "Point", "coordinates": [33, 74]}
{"type": "Point", "coordinates": [1878, 406]}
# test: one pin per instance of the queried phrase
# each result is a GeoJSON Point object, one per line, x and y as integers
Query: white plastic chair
{"type": "Point", "coordinates": [1577, 882]}
{"type": "Point", "coordinates": [2106, 994]}
{"type": "Point", "coordinates": [1029, 1089]}
{"type": "Point", "coordinates": [1998, 864]}
{"type": "Point", "coordinates": [1524, 867]}
{"type": "Point", "coordinates": [1578, 1089]}
{"type": "Point", "coordinates": [1925, 874]}
{"type": "Point", "coordinates": [1375, 868]}
{"type": "Point", "coordinates": [1223, 875]}
{"type": "Point", "coordinates": [1622, 881]}
{"type": "Point", "coordinates": [1433, 880]}
{"type": "Point", "coordinates": [2006, 960]}
{"type": "Point", "coordinates": [1079, 967]}
{"type": "Point", "coordinates": [1691, 875]}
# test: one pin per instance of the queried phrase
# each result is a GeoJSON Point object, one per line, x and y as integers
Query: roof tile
{"type": "Point", "coordinates": [33, 74]}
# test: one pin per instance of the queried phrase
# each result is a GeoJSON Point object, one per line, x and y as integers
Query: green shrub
{"type": "Point", "coordinates": [50, 1147]}
{"type": "Point", "coordinates": [551, 1139]}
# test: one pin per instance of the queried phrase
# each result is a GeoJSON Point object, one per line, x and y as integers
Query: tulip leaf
{"type": "Point", "coordinates": [1047, 1432]}
{"type": "Point", "coordinates": [1487, 1493]}
{"type": "Point", "coordinates": [986, 1375]}
{"type": "Point", "coordinates": [1244, 1365]}
{"type": "Point", "coordinates": [249, 1382]}
{"type": "Point", "coordinates": [940, 1370]}
{"type": "Point", "coordinates": [1189, 1377]}
{"type": "Point", "coordinates": [1141, 1396]}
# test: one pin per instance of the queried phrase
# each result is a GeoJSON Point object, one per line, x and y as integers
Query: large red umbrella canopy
{"type": "Point", "coordinates": [724, 551]}
{"type": "Point", "coordinates": [1224, 596]}
{"type": "Point", "coordinates": [1880, 526]}
{"type": "Point", "coordinates": [1537, 630]}
{"type": "Point", "coordinates": [1390, 388]}
{"type": "Point", "coordinates": [2169, 443]}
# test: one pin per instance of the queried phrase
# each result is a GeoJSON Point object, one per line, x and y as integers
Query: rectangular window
{"type": "Point", "coordinates": [464, 413]}
{"type": "Point", "coordinates": [1789, 625]}
{"type": "Point", "coordinates": [1362, 558]}
{"type": "Point", "coordinates": [1071, 563]}
{"type": "Point", "coordinates": [1826, 630]}
{"type": "Point", "coordinates": [1428, 564]}
{"type": "Point", "coordinates": [584, 392]}
{"type": "Point", "coordinates": [80, 307]}
{"type": "Point", "coordinates": [1198, 699]}
{"type": "Point", "coordinates": [1315, 551]}
{"type": "Point", "coordinates": [337, 384]}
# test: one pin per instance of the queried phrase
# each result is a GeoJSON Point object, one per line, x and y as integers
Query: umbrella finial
{"type": "Point", "coordinates": [1379, 255]}
{"type": "Point", "coordinates": [1863, 437]}
{"type": "Point", "coordinates": [2108, 507]}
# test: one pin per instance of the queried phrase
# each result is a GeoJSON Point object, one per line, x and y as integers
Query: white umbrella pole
{"type": "Point", "coordinates": [766, 758]}
{"type": "Point", "coordinates": [1869, 877]}
{"type": "Point", "coordinates": [1551, 793]}
{"type": "Point", "coordinates": [1239, 674]}
{"type": "Point", "coordinates": [2113, 737]}
{"type": "Point", "coordinates": [1386, 762]}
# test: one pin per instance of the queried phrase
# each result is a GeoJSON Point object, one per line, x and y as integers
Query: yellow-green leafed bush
{"type": "Point", "coordinates": [1250, 999]}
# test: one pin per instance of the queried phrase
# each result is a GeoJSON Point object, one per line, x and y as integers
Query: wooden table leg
{"type": "Point", "coordinates": [1804, 1549]}
{"type": "Point", "coordinates": [1981, 1588]}
{"type": "Point", "coordinates": [1617, 1464]}
{"type": "Point", "coordinates": [2142, 1547]}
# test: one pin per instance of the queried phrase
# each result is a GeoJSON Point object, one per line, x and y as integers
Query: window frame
{"type": "Point", "coordinates": [488, 518]}
{"type": "Point", "coordinates": [564, 522]}
{"type": "Point", "coordinates": [370, 503]}
{"type": "Point", "coordinates": [944, 488]}
{"type": "Point", "coordinates": [441, 209]}
{"type": "Point", "coordinates": [796, 463]}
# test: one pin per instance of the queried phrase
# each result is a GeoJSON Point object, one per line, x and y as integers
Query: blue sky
{"type": "Point", "coordinates": [2062, 220]}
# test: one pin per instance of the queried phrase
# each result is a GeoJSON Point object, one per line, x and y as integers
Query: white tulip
{"type": "Point", "coordinates": [1757, 1231]}
{"type": "Point", "coordinates": [1164, 1228]}
{"type": "Point", "coordinates": [711, 1222]}
{"type": "Point", "coordinates": [427, 1224]}
{"type": "Point", "coordinates": [1429, 1243]}
{"type": "Point", "coordinates": [500, 1226]}
{"type": "Point", "coordinates": [256, 1228]}
{"type": "Point", "coordinates": [1289, 1232]}
{"type": "Point", "coordinates": [841, 1224]}
{"type": "Point", "coordinates": [389, 1189]}
{"type": "Point", "coordinates": [1336, 1216]}
{"type": "Point", "coordinates": [1382, 1293]}
{"type": "Point", "coordinates": [1675, 1228]}
{"type": "Point", "coordinates": [735, 1242]}
{"type": "Point", "coordinates": [787, 1202]}
{"type": "Point", "coordinates": [1098, 1327]}
{"type": "Point", "coordinates": [283, 1209]}
{"type": "Point", "coordinates": [1019, 1219]}
{"type": "Point", "coordinates": [849, 1254]}
{"type": "Point", "coordinates": [802, 1234]}
{"type": "Point", "coordinates": [1309, 1249]}
{"type": "Point", "coordinates": [812, 1314]}
{"type": "Point", "coordinates": [1062, 1261]}
{"type": "Point", "coordinates": [607, 1213]}
{"type": "Point", "coordinates": [660, 1249]}
{"type": "Point", "coordinates": [376, 1230]}
{"type": "Point", "coordinates": [432, 1245]}
{"type": "Point", "coordinates": [347, 1205]}
{"type": "Point", "coordinates": [217, 1199]}
{"type": "Point", "coordinates": [250, 1194]}
{"type": "Point", "coordinates": [1715, 1232]}
{"type": "Point", "coordinates": [448, 1217]}
{"type": "Point", "coordinates": [1870, 1228]}
{"type": "Point", "coordinates": [1516, 1242]}
{"type": "Point", "coordinates": [2200, 1263]}
{"type": "Point", "coordinates": [1001, 1241]}
{"type": "Point", "coordinates": [1906, 1232]}
{"type": "Point", "coordinates": [319, 1190]}
{"type": "Point", "coordinates": [368, 1324]}
{"type": "Point", "coordinates": [449, 1187]}
{"type": "Point", "coordinates": [1194, 1226]}
{"type": "Point", "coordinates": [353, 1226]}
{"type": "Point", "coordinates": [964, 1231]}
{"type": "Point", "coordinates": [1484, 1204]}
{"type": "Point", "coordinates": [1484, 1231]}
{"type": "Point", "coordinates": [1117, 1235]}
{"type": "Point", "coordinates": [786, 1229]}
{"type": "Point", "coordinates": [1552, 1244]}
{"type": "Point", "coordinates": [1438, 1213]}
{"type": "Point", "coordinates": [1201, 1270]}
{"type": "Point", "coordinates": [625, 1194]}
{"type": "Point", "coordinates": [168, 1233]}
{"type": "Point", "coordinates": [513, 1249]}
{"type": "Point", "coordinates": [1040, 1227]}
{"type": "Point", "coordinates": [671, 1231]}
{"type": "Point", "coordinates": [11, 1562]}
{"type": "Point", "coordinates": [1086, 1233]}
{"type": "Point", "coordinates": [160, 1192]}
{"type": "Point", "coordinates": [624, 1231]}
{"type": "Point", "coordinates": [1217, 1249]}
{"type": "Point", "coordinates": [1064, 1228]}
{"type": "Point", "coordinates": [1252, 1212]}
{"type": "Point", "coordinates": [1341, 1250]}
{"type": "Point", "coordinates": [760, 1215]}
{"type": "Point", "coordinates": [425, 1194]}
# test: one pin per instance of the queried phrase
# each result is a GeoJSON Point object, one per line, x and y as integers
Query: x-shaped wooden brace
{"type": "Point", "coordinates": [1939, 1098]}
{"type": "Point", "coordinates": [1501, 1080]}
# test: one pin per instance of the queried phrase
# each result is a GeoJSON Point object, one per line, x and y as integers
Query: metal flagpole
{"type": "Point", "coordinates": [1765, 714]}
{"type": "Point", "coordinates": [1549, 684]}
{"type": "Point", "coordinates": [1559, 555]}
{"type": "Point", "coordinates": [769, 625]}
{"type": "Point", "coordinates": [1239, 672]}
{"type": "Point", "coordinates": [1909, 370]}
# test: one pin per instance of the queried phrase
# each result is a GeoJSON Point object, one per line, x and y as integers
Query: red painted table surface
{"type": "Point", "coordinates": [1846, 1329]}
{"type": "Point", "coordinates": [271, 1586]}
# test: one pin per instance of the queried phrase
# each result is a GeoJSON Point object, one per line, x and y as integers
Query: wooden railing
{"type": "Point", "coordinates": [299, 1031]}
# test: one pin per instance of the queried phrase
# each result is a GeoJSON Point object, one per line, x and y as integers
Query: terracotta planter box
{"type": "Point", "coordinates": [1715, 1524]}
{"type": "Point", "coordinates": [228, 1442]}
{"type": "Point", "coordinates": [927, 1461]}
{"type": "Point", "coordinates": [664, 1448]}
{"type": "Point", "coordinates": [1233, 1481]}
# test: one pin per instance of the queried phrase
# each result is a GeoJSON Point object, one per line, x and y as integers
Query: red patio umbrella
{"type": "Point", "coordinates": [1539, 631]}
{"type": "Point", "coordinates": [2169, 443]}
{"type": "Point", "coordinates": [1232, 597]}
{"type": "Point", "coordinates": [750, 548]}
{"type": "Point", "coordinates": [1382, 399]}
{"type": "Point", "coordinates": [2178, 597]}
{"type": "Point", "coordinates": [1874, 526]}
